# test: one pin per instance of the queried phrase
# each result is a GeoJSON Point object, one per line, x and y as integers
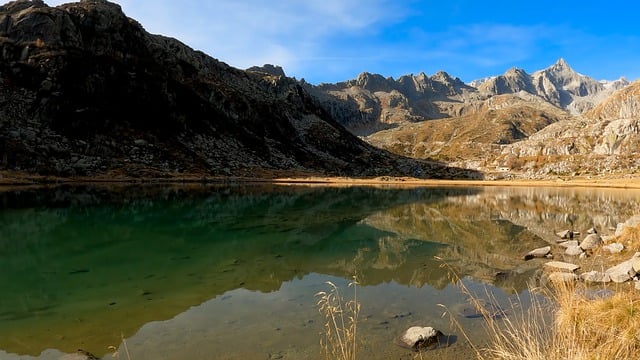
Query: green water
{"type": "Point", "coordinates": [211, 272]}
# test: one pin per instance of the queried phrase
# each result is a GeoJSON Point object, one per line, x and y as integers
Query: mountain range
{"type": "Point", "coordinates": [554, 122]}
{"type": "Point", "coordinates": [86, 91]}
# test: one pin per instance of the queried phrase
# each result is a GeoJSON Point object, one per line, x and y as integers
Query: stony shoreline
{"type": "Point", "coordinates": [10, 179]}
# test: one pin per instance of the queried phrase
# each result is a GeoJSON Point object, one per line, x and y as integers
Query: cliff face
{"type": "Point", "coordinates": [371, 103]}
{"type": "Point", "coordinates": [84, 90]}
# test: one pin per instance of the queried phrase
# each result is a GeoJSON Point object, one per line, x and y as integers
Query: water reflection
{"type": "Point", "coordinates": [81, 265]}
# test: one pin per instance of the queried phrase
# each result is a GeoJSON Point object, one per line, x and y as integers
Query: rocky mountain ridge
{"type": "Point", "coordinates": [86, 91]}
{"type": "Point", "coordinates": [553, 122]}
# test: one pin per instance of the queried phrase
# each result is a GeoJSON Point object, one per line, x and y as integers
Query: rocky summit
{"type": "Point", "coordinates": [553, 123]}
{"type": "Point", "coordinates": [86, 91]}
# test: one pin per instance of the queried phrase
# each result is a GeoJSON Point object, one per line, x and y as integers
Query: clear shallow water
{"type": "Point", "coordinates": [231, 272]}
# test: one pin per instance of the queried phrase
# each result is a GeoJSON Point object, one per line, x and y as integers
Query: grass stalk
{"type": "Point", "coordinates": [339, 339]}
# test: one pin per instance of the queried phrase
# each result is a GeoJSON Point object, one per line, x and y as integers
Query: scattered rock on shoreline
{"type": "Point", "coordinates": [418, 337]}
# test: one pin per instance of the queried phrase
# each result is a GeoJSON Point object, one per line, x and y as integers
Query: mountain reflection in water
{"type": "Point", "coordinates": [83, 265]}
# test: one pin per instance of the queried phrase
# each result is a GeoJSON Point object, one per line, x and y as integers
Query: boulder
{"type": "Point", "coordinates": [538, 253]}
{"type": "Point", "coordinates": [635, 262]}
{"type": "Point", "coordinates": [567, 234]}
{"type": "Point", "coordinates": [590, 242]}
{"type": "Point", "coordinates": [417, 337]}
{"type": "Point", "coordinates": [614, 248]}
{"type": "Point", "coordinates": [622, 272]}
{"type": "Point", "coordinates": [559, 266]}
{"type": "Point", "coordinates": [631, 222]}
{"type": "Point", "coordinates": [595, 277]}
{"type": "Point", "coordinates": [566, 244]}
{"type": "Point", "coordinates": [574, 250]}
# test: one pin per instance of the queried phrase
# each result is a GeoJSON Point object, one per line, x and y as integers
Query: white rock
{"type": "Point", "coordinates": [566, 244]}
{"type": "Point", "coordinates": [635, 262]}
{"type": "Point", "coordinates": [573, 250]}
{"type": "Point", "coordinates": [614, 248]}
{"type": "Point", "coordinates": [595, 277]}
{"type": "Point", "coordinates": [538, 253]}
{"type": "Point", "coordinates": [559, 266]}
{"type": "Point", "coordinates": [621, 272]}
{"type": "Point", "coordinates": [591, 241]}
{"type": "Point", "coordinates": [631, 222]}
{"type": "Point", "coordinates": [567, 234]}
{"type": "Point", "coordinates": [417, 336]}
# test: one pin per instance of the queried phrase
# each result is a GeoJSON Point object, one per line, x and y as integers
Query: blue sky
{"type": "Point", "coordinates": [335, 40]}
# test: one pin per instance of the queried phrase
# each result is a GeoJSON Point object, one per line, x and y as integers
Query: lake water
{"type": "Point", "coordinates": [230, 272]}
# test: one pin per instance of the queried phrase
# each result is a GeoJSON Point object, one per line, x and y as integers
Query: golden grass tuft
{"type": "Point", "coordinates": [606, 328]}
{"type": "Point", "coordinates": [339, 339]}
{"type": "Point", "coordinates": [573, 326]}
{"type": "Point", "coordinates": [564, 323]}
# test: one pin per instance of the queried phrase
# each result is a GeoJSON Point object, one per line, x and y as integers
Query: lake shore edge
{"type": "Point", "coordinates": [11, 180]}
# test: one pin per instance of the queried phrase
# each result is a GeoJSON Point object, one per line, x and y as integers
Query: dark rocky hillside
{"type": "Point", "coordinates": [86, 91]}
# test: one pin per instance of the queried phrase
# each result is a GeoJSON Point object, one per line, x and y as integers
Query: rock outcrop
{"type": "Point", "coordinates": [559, 84]}
{"type": "Point", "coordinates": [553, 122]}
{"type": "Point", "coordinates": [372, 102]}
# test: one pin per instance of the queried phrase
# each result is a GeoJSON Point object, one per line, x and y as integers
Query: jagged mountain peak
{"type": "Point", "coordinates": [560, 64]}
{"type": "Point", "coordinates": [515, 71]}
{"type": "Point", "coordinates": [442, 76]}
{"type": "Point", "coordinates": [560, 69]}
{"type": "Point", "coordinates": [270, 69]}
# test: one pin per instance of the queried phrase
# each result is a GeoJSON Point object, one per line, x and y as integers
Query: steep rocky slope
{"type": "Point", "coordinates": [559, 84]}
{"type": "Point", "coordinates": [605, 141]}
{"type": "Point", "coordinates": [371, 102]}
{"type": "Point", "coordinates": [470, 139]}
{"type": "Point", "coordinates": [84, 90]}
{"type": "Point", "coordinates": [553, 122]}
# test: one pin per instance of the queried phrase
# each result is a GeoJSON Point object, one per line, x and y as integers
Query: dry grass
{"type": "Point", "coordinates": [569, 324]}
{"type": "Point", "coordinates": [339, 339]}
{"type": "Point", "coordinates": [115, 353]}
{"type": "Point", "coordinates": [606, 328]}
{"type": "Point", "coordinates": [573, 326]}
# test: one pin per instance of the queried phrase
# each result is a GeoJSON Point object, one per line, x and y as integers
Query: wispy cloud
{"type": "Point", "coordinates": [333, 40]}
{"type": "Point", "coordinates": [253, 32]}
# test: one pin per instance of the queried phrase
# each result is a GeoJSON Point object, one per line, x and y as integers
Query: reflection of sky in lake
{"type": "Point", "coordinates": [233, 270]}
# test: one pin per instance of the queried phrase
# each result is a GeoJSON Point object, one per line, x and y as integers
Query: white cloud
{"type": "Point", "coordinates": [253, 32]}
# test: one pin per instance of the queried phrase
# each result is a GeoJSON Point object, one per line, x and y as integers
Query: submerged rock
{"type": "Point", "coordinates": [418, 337]}
{"type": "Point", "coordinates": [479, 308]}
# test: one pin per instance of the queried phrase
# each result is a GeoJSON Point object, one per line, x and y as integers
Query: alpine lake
{"type": "Point", "coordinates": [232, 271]}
